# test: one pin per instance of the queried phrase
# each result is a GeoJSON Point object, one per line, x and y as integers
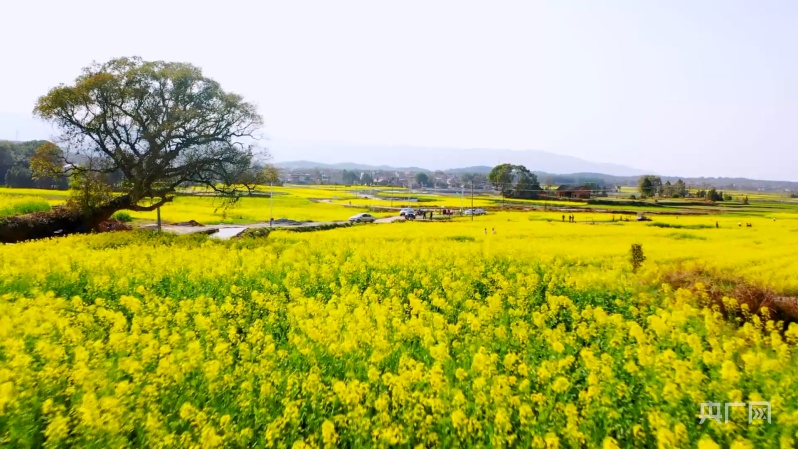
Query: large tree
{"type": "Point", "coordinates": [161, 125]}
{"type": "Point", "coordinates": [649, 185]}
{"type": "Point", "coordinates": [514, 181]}
{"type": "Point", "coordinates": [366, 179]}
{"type": "Point", "coordinates": [422, 179]}
{"type": "Point", "coordinates": [349, 177]}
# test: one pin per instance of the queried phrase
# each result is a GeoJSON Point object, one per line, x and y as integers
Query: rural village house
{"type": "Point", "coordinates": [580, 192]}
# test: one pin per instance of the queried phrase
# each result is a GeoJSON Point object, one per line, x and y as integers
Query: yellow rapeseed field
{"type": "Point", "coordinates": [408, 334]}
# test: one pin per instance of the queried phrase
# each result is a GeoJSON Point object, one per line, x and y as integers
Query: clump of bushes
{"type": "Point", "coordinates": [461, 238]}
{"type": "Point", "coordinates": [679, 226]}
{"type": "Point", "coordinates": [636, 256]}
{"type": "Point", "coordinates": [122, 216]}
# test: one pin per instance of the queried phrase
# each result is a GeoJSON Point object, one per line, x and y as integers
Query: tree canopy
{"type": "Point", "coordinates": [649, 185]}
{"type": "Point", "coordinates": [15, 171]}
{"type": "Point", "coordinates": [349, 177]}
{"type": "Point", "coordinates": [514, 181]}
{"type": "Point", "coordinates": [161, 124]}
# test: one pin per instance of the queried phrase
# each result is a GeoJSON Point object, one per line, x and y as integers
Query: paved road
{"type": "Point", "coordinates": [227, 231]}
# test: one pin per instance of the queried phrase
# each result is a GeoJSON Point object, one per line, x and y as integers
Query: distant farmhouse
{"type": "Point", "coordinates": [576, 192]}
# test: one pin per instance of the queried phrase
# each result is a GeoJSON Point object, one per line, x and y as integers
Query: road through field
{"type": "Point", "coordinates": [228, 231]}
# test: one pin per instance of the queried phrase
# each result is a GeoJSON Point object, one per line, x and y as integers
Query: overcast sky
{"type": "Point", "coordinates": [682, 87]}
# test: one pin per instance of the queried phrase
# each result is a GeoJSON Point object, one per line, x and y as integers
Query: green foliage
{"type": "Point", "coordinates": [16, 169]}
{"type": "Point", "coordinates": [686, 236]}
{"type": "Point", "coordinates": [422, 178]}
{"type": "Point", "coordinates": [19, 177]}
{"type": "Point", "coordinates": [18, 153]}
{"type": "Point", "coordinates": [255, 233]}
{"type": "Point", "coordinates": [636, 256]}
{"type": "Point", "coordinates": [462, 238]}
{"type": "Point", "coordinates": [162, 124]}
{"type": "Point", "coordinates": [322, 227]}
{"type": "Point", "coordinates": [349, 177]}
{"type": "Point", "coordinates": [24, 207]}
{"type": "Point", "coordinates": [88, 190]}
{"type": "Point", "coordinates": [122, 216]}
{"type": "Point", "coordinates": [675, 190]}
{"type": "Point", "coordinates": [366, 179]}
{"type": "Point", "coordinates": [649, 185]}
{"type": "Point", "coordinates": [514, 181]}
{"type": "Point", "coordinates": [679, 226]}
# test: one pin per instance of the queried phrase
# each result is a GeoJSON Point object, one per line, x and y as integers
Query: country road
{"type": "Point", "coordinates": [228, 231]}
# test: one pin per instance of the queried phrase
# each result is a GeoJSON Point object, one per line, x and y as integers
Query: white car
{"type": "Point", "coordinates": [407, 213]}
{"type": "Point", "coordinates": [362, 218]}
{"type": "Point", "coordinates": [474, 212]}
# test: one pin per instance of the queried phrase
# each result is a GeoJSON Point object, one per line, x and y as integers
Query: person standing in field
{"type": "Point", "coordinates": [563, 218]}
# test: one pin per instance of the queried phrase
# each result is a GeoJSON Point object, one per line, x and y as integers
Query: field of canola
{"type": "Point", "coordinates": [405, 334]}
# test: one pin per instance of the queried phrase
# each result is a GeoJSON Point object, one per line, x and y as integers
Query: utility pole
{"type": "Point", "coordinates": [472, 200]}
{"type": "Point", "coordinates": [271, 203]}
{"type": "Point", "coordinates": [159, 218]}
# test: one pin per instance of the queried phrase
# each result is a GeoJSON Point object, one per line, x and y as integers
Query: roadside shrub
{"type": "Point", "coordinates": [636, 256]}
{"type": "Point", "coordinates": [461, 238]}
{"type": "Point", "coordinates": [679, 226]}
{"type": "Point", "coordinates": [122, 216]}
{"type": "Point", "coordinates": [686, 236]}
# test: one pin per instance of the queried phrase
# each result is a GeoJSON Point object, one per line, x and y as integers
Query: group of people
{"type": "Point", "coordinates": [485, 230]}
{"type": "Point", "coordinates": [427, 214]}
{"type": "Point", "coordinates": [571, 219]}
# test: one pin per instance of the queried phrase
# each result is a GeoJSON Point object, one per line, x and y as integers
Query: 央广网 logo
{"type": "Point", "coordinates": [757, 411]}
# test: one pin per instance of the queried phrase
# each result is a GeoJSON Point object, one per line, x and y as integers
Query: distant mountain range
{"type": "Point", "coordinates": [300, 165]}
{"type": "Point", "coordinates": [547, 166]}
{"type": "Point", "coordinates": [560, 178]}
{"type": "Point", "coordinates": [295, 154]}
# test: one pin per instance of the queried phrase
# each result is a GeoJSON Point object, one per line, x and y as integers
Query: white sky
{"type": "Point", "coordinates": [682, 87]}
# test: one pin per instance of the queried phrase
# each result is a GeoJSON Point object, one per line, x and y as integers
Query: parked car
{"type": "Point", "coordinates": [408, 213]}
{"type": "Point", "coordinates": [362, 218]}
{"type": "Point", "coordinates": [474, 212]}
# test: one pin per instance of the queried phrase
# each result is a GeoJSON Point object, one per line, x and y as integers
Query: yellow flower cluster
{"type": "Point", "coordinates": [411, 334]}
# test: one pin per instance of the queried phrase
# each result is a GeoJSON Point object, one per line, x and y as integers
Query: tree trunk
{"type": "Point", "coordinates": [58, 222]}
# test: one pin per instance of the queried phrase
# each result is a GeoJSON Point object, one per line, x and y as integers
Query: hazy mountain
{"type": "Point", "coordinates": [299, 165]}
{"type": "Point", "coordinates": [432, 158]}
{"type": "Point", "coordinates": [477, 169]}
